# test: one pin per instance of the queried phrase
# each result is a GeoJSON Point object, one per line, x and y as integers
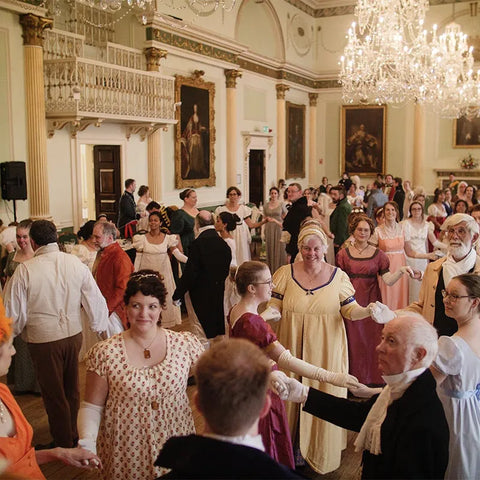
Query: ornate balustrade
{"type": "Point", "coordinates": [122, 56]}
{"type": "Point", "coordinates": [60, 44]}
{"type": "Point", "coordinates": [89, 88]}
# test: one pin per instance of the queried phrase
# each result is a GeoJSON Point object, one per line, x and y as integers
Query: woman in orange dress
{"type": "Point", "coordinates": [16, 433]}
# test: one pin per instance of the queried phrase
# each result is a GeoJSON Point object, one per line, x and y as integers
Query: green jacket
{"type": "Point", "coordinates": [339, 223]}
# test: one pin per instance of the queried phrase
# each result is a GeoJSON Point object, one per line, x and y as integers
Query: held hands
{"type": "Point", "coordinates": [380, 313]}
{"type": "Point", "coordinates": [288, 388]}
{"type": "Point", "coordinates": [406, 269]}
{"type": "Point", "coordinates": [362, 391]}
{"type": "Point", "coordinates": [78, 457]}
{"type": "Point", "coordinates": [271, 314]}
{"type": "Point", "coordinates": [343, 380]}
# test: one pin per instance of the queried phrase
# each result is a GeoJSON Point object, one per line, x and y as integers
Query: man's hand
{"type": "Point", "coordinates": [288, 388]}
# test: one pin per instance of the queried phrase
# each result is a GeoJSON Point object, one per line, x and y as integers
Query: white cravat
{"type": "Point", "coordinates": [452, 268]}
{"type": "Point", "coordinates": [369, 437]}
{"type": "Point", "coordinates": [254, 441]}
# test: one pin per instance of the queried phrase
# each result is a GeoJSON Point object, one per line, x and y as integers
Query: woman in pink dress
{"type": "Point", "coordinates": [390, 238]}
{"type": "Point", "coordinates": [365, 265]}
{"type": "Point", "coordinates": [254, 285]}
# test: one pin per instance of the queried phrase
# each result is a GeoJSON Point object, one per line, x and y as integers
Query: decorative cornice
{"type": "Point", "coordinates": [33, 27]}
{"type": "Point", "coordinates": [153, 56]}
{"type": "Point", "coordinates": [189, 45]}
{"type": "Point", "coordinates": [281, 90]}
{"type": "Point", "coordinates": [231, 77]}
{"type": "Point", "coordinates": [313, 97]}
{"type": "Point", "coordinates": [348, 9]}
{"type": "Point", "coordinates": [276, 72]}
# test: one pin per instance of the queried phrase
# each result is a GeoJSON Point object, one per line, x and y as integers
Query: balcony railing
{"type": "Point", "coordinates": [83, 87]}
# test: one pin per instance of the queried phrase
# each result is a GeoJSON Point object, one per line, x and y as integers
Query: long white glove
{"type": "Point", "coordinates": [288, 388]}
{"type": "Point", "coordinates": [288, 362]}
{"type": "Point", "coordinates": [380, 313]}
{"type": "Point", "coordinates": [179, 256]}
{"type": "Point", "coordinates": [271, 314]}
{"type": "Point", "coordinates": [364, 392]}
{"type": "Point", "coordinates": [391, 277]}
{"type": "Point", "coordinates": [89, 418]}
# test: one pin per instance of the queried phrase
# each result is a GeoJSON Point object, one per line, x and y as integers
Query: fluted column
{"type": "Point", "coordinates": [231, 84]}
{"type": "Point", "coordinates": [154, 162]}
{"type": "Point", "coordinates": [312, 140]}
{"type": "Point", "coordinates": [281, 130]}
{"type": "Point", "coordinates": [33, 27]}
{"type": "Point", "coordinates": [153, 56]}
{"type": "Point", "coordinates": [418, 145]}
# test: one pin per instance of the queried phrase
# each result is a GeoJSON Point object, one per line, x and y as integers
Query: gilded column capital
{"type": "Point", "coordinates": [231, 77]}
{"type": "Point", "coordinates": [313, 97]}
{"type": "Point", "coordinates": [281, 90]}
{"type": "Point", "coordinates": [33, 27]}
{"type": "Point", "coordinates": [153, 56]}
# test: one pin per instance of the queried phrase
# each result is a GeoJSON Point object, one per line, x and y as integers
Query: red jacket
{"type": "Point", "coordinates": [113, 272]}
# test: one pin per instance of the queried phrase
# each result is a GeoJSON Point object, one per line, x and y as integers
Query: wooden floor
{"type": "Point", "coordinates": [34, 411]}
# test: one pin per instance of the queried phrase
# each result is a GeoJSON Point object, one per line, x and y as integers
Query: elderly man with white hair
{"type": "Point", "coordinates": [461, 234]}
{"type": "Point", "coordinates": [403, 432]}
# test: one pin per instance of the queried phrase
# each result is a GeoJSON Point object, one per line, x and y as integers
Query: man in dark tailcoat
{"type": "Point", "coordinates": [204, 275]}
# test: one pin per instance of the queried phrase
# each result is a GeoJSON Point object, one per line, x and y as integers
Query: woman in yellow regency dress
{"type": "Point", "coordinates": [312, 297]}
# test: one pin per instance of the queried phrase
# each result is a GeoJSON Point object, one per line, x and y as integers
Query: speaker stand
{"type": "Point", "coordinates": [15, 211]}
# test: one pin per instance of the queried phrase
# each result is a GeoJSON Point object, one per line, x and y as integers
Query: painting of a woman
{"type": "Point", "coordinates": [194, 160]}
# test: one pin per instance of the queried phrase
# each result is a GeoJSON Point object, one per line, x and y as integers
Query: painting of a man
{"type": "Point", "coordinates": [467, 132]}
{"type": "Point", "coordinates": [295, 141]}
{"type": "Point", "coordinates": [363, 139]}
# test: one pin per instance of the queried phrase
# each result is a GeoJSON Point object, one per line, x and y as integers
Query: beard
{"type": "Point", "coordinates": [459, 251]}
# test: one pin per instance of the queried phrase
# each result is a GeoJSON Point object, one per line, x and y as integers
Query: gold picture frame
{"type": "Point", "coordinates": [194, 132]}
{"type": "Point", "coordinates": [295, 147]}
{"type": "Point", "coordinates": [466, 133]}
{"type": "Point", "coordinates": [363, 137]}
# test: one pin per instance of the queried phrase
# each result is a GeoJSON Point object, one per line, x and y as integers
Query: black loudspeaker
{"type": "Point", "coordinates": [14, 184]}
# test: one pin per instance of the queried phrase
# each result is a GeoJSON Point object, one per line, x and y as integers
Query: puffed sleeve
{"type": "Point", "coordinates": [280, 280]}
{"type": "Point", "coordinates": [431, 227]}
{"type": "Point", "coordinates": [247, 212]}
{"type": "Point", "coordinates": [346, 294]}
{"type": "Point", "coordinates": [432, 210]}
{"type": "Point", "coordinates": [340, 259]}
{"type": "Point", "coordinates": [195, 348]}
{"type": "Point", "coordinates": [172, 241]}
{"type": "Point", "coordinates": [254, 328]}
{"type": "Point", "coordinates": [97, 358]}
{"type": "Point", "coordinates": [407, 232]}
{"type": "Point", "coordinates": [138, 242]}
{"type": "Point", "coordinates": [383, 262]}
{"type": "Point", "coordinates": [81, 252]}
{"type": "Point", "coordinates": [374, 238]}
{"type": "Point", "coordinates": [219, 210]}
{"type": "Point", "coordinates": [449, 358]}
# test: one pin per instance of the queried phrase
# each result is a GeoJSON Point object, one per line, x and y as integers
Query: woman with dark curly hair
{"type": "Point", "coordinates": [86, 250]}
{"type": "Point", "coordinates": [135, 397]}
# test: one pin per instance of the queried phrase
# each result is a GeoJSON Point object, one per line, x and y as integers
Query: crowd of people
{"type": "Point", "coordinates": [358, 284]}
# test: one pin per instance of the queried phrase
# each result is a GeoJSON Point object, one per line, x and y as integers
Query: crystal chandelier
{"type": "Point", "coordinates": [390, 60]}
{"type": "Point", "coordinates": [376, 66]}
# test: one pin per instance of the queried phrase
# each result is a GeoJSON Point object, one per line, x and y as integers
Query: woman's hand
{"type": "Point", "coordinates": [362, 391]}
{"type": "Point", "coordinates": [79, 457]}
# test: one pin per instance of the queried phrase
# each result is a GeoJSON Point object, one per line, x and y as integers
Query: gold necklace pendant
{"type": "Point", "coordinates": [146, 353]}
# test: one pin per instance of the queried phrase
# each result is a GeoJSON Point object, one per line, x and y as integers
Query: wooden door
{"type": "Point", "coordinates": [106, 163]}
{"type": "Point", "coordinates": [256, 176]}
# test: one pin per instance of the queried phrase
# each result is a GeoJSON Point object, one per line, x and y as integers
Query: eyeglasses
{"type": "Point", "coordinates": [268, 282]}
{"type": "Point", "coordinates": [460, 231]}
{"type": "Point", "coordinates": [453, 297]}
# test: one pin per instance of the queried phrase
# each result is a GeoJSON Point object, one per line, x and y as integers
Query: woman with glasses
{"type": "Point", "coordinates": [457, 371]}
{"type": "Point", "coordinates": [418, 232]}
{"type": "Point", "coordinates": [241, 234]}
{"type": "Point", "coordinates": [254, 285]}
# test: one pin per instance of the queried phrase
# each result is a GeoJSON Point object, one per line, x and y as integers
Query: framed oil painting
{"type": "Point", "coordinates": [194, 132]}
{"type": "Point", "coordinates": [466, 133]}
{"type": "Point", "coordinates": [363, 139]}
{"type": "Point", "coordinates": [295, 148]}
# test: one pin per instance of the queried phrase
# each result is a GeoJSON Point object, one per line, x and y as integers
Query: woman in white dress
{"type": "Point", "coordinates": [226, 223]}
{"type": "Point", "coordinates": [436, 211]}
{"type": "Point", "coordinates": [457, 371]}
{"type": "Point", "coordinates": [142, 202]}
{"type": "Point", "coordinates": [417, 231]}
{"type": "Point", "coordinates": [241, 234]}
{"type": "Point", "coordinates": [152, 253]}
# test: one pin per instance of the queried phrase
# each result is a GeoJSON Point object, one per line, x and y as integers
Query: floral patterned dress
{"type": "Point", "coordinates": [144, 407]}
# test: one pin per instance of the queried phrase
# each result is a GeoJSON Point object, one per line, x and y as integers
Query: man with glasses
{"type": "Point", "coordinates": [298, 211]}
{"type": "Point", "coordinates": [461, 235]}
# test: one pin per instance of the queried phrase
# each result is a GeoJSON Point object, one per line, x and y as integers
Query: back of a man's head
{"type": "Point", "coordinates": [205, 218]}
{"type": "Point", "coordinates": [232, 380]}
{"type": "Point", "coordinates": [43, 232]}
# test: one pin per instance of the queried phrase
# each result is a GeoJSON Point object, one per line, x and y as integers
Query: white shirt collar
{"type": "Point", "coordinates": [254, 441]}
{"type": "Point", "coordinates": [207, 227]}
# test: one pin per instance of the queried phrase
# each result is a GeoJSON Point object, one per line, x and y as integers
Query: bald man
{"type": "Point", "coordinates": [204, 275]}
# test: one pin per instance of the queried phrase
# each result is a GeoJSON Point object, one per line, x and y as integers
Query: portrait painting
{"type": "Point", "coordinates": [363, 139]}
{"type": "Point", "coordinates": [195, 132]}
{"type": "Point", "coordinates": [295, 148]}
{"type": "Point", "coordinates": [466, 133]}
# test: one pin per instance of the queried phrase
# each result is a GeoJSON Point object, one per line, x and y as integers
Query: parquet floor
{"type": "Point", "coordinates": [34, 411]}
